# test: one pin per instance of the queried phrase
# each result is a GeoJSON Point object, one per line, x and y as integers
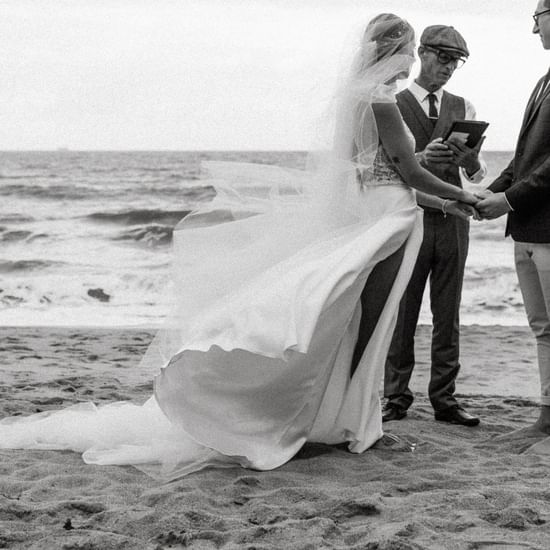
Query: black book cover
{"type": "Point", "coordinates": [467, 131]}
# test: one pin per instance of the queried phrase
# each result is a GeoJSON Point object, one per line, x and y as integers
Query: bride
{"type": "Point", "coordinates": [273, 282]}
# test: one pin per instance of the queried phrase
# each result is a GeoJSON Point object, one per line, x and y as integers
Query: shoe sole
{"type": "Point", "coordinates": [470, 424]}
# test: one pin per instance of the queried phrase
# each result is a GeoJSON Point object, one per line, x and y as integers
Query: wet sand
{"type": "Point", "coordinates": [458, 490]}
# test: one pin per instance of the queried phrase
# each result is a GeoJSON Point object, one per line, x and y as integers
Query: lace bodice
{"type": "Point", "coordinates": [382, 171]}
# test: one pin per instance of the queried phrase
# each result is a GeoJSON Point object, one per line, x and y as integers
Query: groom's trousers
{"type": "Point", "coordinates": [533, 269]}
{"type": "Point", "coordinates": [442, 258]}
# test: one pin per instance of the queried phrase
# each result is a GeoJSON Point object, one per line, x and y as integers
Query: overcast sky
{"type": "Point", "coordinates": [227, 74]}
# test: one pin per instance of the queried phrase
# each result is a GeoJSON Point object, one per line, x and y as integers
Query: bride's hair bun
{"type": "Point", "coordinates": [385, 35]}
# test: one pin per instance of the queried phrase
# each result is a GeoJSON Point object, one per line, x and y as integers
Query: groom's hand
{"type": "Point", "coordinates": [482, 193]}
{"type": "Point", "coordinates": [462, 210]}
{"type": "Point", "coordinates": [493, 206]}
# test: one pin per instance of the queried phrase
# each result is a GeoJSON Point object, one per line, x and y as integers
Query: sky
{"type": "Point", "coordinates": [228, 74]}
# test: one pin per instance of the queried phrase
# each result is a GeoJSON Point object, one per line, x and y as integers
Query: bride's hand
{"type": "Point", "coordinates": [468, 198]}
{"type": "Point", "coordinates": [461, 210]}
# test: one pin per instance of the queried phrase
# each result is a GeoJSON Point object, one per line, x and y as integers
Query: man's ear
{"type": "Point", "coordinates": [421, 50]}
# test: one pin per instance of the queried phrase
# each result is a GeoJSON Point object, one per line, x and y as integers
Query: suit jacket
{"type": "Point", "coordinates": [526, 180]}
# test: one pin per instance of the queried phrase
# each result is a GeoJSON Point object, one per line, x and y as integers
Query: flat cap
{"type": "Point", "coordinates": [444, 38]}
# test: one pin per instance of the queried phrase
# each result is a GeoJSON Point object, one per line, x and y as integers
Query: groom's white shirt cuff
{"type": "Point", "coordinates": [508, 202]}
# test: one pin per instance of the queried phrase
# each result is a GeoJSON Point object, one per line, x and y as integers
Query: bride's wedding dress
{"type": "Point", "coordinates": [263, 365]}
{"type": "Point", "coordinates": [255, 358]}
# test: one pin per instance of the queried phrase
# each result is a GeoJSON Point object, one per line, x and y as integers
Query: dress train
{"type": "Point", "coordinates": [262, 372]}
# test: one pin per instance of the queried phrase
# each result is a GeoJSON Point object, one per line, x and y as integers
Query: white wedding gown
{"type": "Point", "coordinates": [256, 358]}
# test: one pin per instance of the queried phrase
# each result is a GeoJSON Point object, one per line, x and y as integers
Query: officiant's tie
{"type": "Point", "coordinates": [432, 109]}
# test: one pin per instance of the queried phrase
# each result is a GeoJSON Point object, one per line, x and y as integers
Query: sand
{"type": "Point", "coordinates": [458, 490]}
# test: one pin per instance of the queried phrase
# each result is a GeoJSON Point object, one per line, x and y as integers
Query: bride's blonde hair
{"type": "Point", "coordinates": [390, 33]}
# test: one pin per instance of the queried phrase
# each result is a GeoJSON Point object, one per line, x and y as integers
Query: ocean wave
{"type": "Point", "coordinates": [15, 218]}
{"type": "Point", "coordinates": [17, 176]}
{"type": "Point", "coordinates": [56, 292]}
{"type": "Point", "coordinates": [8, 300]}
{"type": "Point", "coordinates": [60, 191]}
{"type": "Point", "coordinates": [185, 177]}
{"type": "Point", "coordinates": [491, 234]}
{"type": "Point", "coordinates": [486, 273]}
{"type": "Point", "coordinates": [155, 169]}
{"type": "Point", "coordinates": [178, 190]}
{"type": "Point", "coordinates": [140, 216]}
{"type": "Point", "coordinates": [37, 166]}
{"type": "Point", "coordinates": [9, 266]}
{"type": "Point", "coordinates": [19, 235]}
{"type": "Point", "coordinates": [152, 235]}
{"type": "Point", "coordinates": [198, 192]}
{"type": "Point", "coordinates": [11, 236]}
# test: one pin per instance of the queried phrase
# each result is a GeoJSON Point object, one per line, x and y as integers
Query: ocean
{"type": "Point", "coordinates": [85, 237]}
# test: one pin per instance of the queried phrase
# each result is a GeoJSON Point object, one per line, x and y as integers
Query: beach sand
{"type": "Point", "coordinates": [458, 490]}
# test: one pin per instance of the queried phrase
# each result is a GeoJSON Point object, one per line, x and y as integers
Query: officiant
{"type": "Point", "coordinates": [429, 111]}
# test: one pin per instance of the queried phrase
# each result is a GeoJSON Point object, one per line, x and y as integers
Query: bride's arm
{"type": "Point", "coordinates": [430, 200]}
{"type": "Point", "coordinates": [447, 206]}
{"type": "Point", "coordinates": [394, 139]}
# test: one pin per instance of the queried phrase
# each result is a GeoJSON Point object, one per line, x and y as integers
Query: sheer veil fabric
{"type": "Point", "coordinates": [254, 359]}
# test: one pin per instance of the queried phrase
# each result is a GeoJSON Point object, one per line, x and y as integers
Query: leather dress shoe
{"type": "Point", "coordinates": [456, 415]}
{"type": "Point", "coordinates": [393, 412]}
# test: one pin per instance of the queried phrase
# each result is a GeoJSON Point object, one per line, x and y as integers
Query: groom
{"type": "Point", "coordinates": [523, 191]}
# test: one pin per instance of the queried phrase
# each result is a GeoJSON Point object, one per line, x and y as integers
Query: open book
{"type": "Point", "coordinates": [466, 131]}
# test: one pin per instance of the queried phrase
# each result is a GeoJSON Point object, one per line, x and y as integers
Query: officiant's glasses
{"type": "Point", "coordinates": [445, 58]}
{"type": "Point", "coordinates": [538, 14]}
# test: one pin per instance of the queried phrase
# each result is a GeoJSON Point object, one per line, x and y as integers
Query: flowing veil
{"type": "Point", "coordinates": [262, 214]}
{"type": "Point", "coordinates": [262, 220]}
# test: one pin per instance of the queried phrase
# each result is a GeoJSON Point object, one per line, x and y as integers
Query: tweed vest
{"type": "Point", "coordinates": [452, 108]}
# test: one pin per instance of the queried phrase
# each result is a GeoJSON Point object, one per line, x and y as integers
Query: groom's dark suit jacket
{"type": "Point", "coordinates": [526, 180]}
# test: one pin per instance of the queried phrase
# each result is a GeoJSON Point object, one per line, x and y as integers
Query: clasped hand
{"type": "Point", "coordinates": [491, 205]}
{"type": "Point", "coordinates": [481, 205]}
